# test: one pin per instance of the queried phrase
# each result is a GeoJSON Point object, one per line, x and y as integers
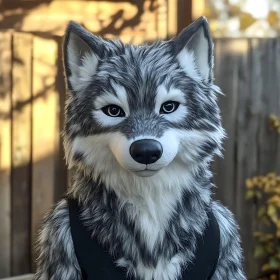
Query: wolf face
{"type": "Point", "coordinates": [141, 110]}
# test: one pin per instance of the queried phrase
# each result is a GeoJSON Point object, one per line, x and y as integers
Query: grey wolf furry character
{"type": "Point", "coordinates": [142, 127]}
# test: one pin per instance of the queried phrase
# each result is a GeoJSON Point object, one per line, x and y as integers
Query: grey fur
{"type": "Point", "coordinates": [117, 204]}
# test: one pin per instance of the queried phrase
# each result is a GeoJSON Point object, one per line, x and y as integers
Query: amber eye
{"type": "Point", "coordinates": [169, 107]}
{"type": "Point", "coordinates": [113, 111]}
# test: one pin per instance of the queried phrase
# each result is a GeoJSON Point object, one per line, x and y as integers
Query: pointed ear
{"type": "Point", "coordinates": [194, 49]}
{"type": "Point", "coordinates": [81, 50]}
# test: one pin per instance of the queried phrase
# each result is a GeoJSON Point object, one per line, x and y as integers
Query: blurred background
{"type": "Point", "coordinates": [33, 174]}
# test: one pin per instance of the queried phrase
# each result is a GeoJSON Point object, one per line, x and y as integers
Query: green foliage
{"type": "Point", "coordinates": [266, 190]}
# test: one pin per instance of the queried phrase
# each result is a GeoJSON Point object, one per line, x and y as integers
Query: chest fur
{"type": "Point", "coordinates": [150, 238]}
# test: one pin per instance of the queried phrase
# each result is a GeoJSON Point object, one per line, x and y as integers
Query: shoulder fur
{"type": "Point", "coordinates": [230, 264]}
{"type": "Point", "coordinates": [57, 259]}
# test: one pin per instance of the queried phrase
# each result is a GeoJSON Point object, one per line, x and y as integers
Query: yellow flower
{"type": "Point", "coordinates": [246, 20]}
{"type": "Point", "coordinates": [255, 181]}
{"type": "Point", "coordinates": [271, 175]}
{"type": "Point", "coordinates": [249, 183]}
{"type": "Point", "coordinates": [265, 267]}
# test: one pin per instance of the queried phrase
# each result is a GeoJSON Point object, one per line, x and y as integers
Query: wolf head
{"type": "Point", "coordinates": [144, 110]}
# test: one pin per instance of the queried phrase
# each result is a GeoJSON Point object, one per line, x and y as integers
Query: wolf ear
{"type": "Point", "coordinates": [81, 51]}
{"type": "Point", "coordinates": [194, 49]}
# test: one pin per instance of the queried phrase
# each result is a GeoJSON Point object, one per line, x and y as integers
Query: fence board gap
{"type": "Point", "coordinates": [277, 102]}
{"type": "Point", "coordinates": [21, 152]}
{"type": "Point", "coordinates": [60, 168]}
{"type": "Point", "coordinates": [5, 154]}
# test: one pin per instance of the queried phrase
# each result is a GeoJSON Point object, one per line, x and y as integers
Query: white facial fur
{"type": "Point", "coordinates": [109, 147]}
{"type": "Point", "coordinates": [108, 98]}
{"type": "Point", "coordinates": [163, 95]}
{"type": "Point", "coordinates": [109, 154]}
{"type": "Point", "coordinates": [177, 166]}
{"type": "Point", "coordinates": [194, 60]}
{"type": "Point", "coordinates": [120, 148]}
{"type": "Point", "coordinates": [120, 145]}
{"type": "Point", "coordinates": [82, 66]}
{"type": "Point", "coordinates": [187, 62]}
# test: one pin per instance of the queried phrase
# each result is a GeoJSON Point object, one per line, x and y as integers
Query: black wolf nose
{"type": "Point", "coordinates": [146, 151]}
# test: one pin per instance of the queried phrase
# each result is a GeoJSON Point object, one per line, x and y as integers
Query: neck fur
{"type": "Point", "coordinates": [172, 181]}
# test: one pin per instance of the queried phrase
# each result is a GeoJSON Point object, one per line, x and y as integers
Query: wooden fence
{"type": "Point", "coordinates": [33, 175]}
{"type": "Point", "coordinates": [248, 72]}
{"type": "Point", "coordinates": [32, 170]}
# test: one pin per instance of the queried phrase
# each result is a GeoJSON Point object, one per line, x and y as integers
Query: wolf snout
{"type": "Point", "coordinates": [146, 151]}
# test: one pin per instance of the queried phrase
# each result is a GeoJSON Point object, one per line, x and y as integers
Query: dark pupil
{"type": "Point", "coordinates": [168, 107]}
{"type": "Point", "coordinates": [114, 111]}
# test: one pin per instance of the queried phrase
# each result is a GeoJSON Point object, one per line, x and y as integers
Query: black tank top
{"type": "Point", "coordinates": [97, 264]}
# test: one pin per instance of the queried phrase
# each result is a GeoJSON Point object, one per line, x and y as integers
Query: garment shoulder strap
{"type": "Point", "coordinates": [94, 260]}
{"type": "Point", "coordinates": [207, 253]}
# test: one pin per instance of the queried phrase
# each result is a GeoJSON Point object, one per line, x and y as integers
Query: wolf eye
{"type": "Point", "coordinates": [169, 107]}
{"type": "Point", "coordinates": [113, 111]}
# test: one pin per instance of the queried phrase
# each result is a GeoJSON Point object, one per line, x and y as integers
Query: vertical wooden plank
{"type": "Point", "coordinates": [44, 116]}
{"type": "Point", "coordinates": [21, 152]}
{"type": "Point", "coordinates": [184, 14]}
{"type": "Point", "coordinates": [172, 25]}
{"type": "Point", "coordinates": [61, 183]}
{"type": "Point", "coordinates": [226, 73]}
{"type": "Point", "coordinates": [198, 7]}
{"type": "Point", "coordinates": [162, 19]}
{"type": "Point", "coordinates": [277, 101]}
{"type": "Point", "coordinates": [268, 140]}
{"type": "Point", "coordinates": [5, 154]}
{"type": "Point", "coordinates": [249, 106]}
